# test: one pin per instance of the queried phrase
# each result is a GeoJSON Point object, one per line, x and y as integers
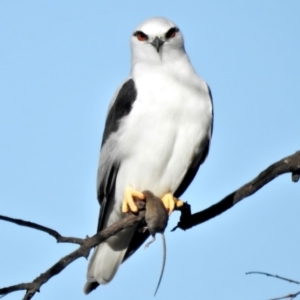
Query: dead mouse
{"type": "Point", "coordinates": [156, 217]}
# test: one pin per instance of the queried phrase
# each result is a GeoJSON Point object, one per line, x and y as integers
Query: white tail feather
{"type": "Point", "coordinates": [108, 256]}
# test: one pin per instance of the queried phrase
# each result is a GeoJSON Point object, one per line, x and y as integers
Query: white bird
{"type": "Point", "coordinates": [157, 133]}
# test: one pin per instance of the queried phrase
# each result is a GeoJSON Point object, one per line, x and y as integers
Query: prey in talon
{"type": "Point", "coordinates": [128, 202]}
{"type": "Point", "coordinates": [170, 202]}
{"type": "Point", "coordinates": [156, 217]}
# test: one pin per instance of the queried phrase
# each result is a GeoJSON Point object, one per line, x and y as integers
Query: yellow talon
{"type": "Point", "coordinates": [170, 202]}
{"type": "Point", "coordinates": [128, 202]}
{"type": "Point", "coordinates": [179, 203]}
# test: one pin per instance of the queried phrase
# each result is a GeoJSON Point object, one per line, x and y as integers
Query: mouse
{"type": "Point", "coordinates": [156, 217]}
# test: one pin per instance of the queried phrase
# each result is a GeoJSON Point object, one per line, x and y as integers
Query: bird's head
{"type": "Point", "coordinates": [156, 39]}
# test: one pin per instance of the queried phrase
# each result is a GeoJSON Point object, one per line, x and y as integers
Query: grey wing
{"type": "Point", "coordinates": [119, 107]}
{"type": "Point", "coordinates": [198, 158]}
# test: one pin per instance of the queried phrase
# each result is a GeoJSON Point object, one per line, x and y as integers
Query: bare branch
{"type": "Point", "coordinates": [289, 296]}
{"type": "Point", "coordinates": [289, 164]}
{"type": "Point", "coordinates": [59, 238]}
{"type": "Point", "coordinates": [187, 220]}
{"type": "Point", "coordinates": [83, 251]}
{"type": "Point", "coordinates": [274, 276]}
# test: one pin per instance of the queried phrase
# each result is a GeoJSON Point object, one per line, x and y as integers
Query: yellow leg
{"type": "Point", "coordinates": [170, 202]}
{"type": "Point", "coordinates": [128, 203]}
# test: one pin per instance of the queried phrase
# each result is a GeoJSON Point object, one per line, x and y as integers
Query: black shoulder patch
{"type": "Point", "coordinates": [121, 108]}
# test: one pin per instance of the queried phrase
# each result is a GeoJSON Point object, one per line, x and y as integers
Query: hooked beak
{"type": "Point", "coordinates": [157, 43]}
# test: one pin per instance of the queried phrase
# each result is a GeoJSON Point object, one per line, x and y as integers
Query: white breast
{"type": "Point", "coordinates": [168, 121]}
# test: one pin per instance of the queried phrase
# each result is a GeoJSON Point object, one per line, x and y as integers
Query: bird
{"type": "Point", "coordinates": [157, 133]}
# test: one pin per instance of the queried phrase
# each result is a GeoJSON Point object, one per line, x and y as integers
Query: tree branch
{"type": "Point", "coordinates": [274, 276]}
{"type": "Point", "coordinates": [59, 238]}
{"type": "Point", "coordinates": [83, 251]}
{"type": "Point", "coordinates": [187, 220]}
{"type": "Point", "coordinates": [289, 296]}
{"type": "Point", "coordinates": [289, 164]}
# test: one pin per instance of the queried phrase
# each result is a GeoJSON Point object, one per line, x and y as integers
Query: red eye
{"type": "Point", "coordinates": [171, 33]}
{"type": "Point", "coordinates": [141, 36]}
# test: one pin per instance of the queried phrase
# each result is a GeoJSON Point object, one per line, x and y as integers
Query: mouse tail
{"type": "Point", "coordinates": [164, 262]}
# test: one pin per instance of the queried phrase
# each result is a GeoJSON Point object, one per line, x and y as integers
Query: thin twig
{"type": "Point", "coordinates": [289, 296]}
{"type": "Point", "coordinates": [274, 276]}
{"type": "Point", "coordinates": [59, 238]}
{"type": "Point", "coordinates": [83, 251]}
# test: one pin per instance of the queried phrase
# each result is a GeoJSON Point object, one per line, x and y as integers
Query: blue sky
{"type": "Point", "coordinates": [60, 63]}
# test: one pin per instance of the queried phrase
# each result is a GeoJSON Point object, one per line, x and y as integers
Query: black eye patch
{"type": "Point", "coordinates": [171, 32]}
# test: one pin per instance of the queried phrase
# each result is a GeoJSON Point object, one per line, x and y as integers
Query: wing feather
{"type": "Point", "coordinates": [198, 158]}
{"type": "Point", "coordinates": [109, 163]}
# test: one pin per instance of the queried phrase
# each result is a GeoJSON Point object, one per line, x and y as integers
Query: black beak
{"type": "Point", "coordinates": [157, 43]}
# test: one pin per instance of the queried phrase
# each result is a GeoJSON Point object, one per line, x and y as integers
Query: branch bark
{"type": "Point", "coordinates": [274, 276]}
{"type": "Point", "coordinates": [289, 296]}
{"type": "Point", "coordinates": [83, 251]}
{"type": "Point", "coordinates": [289, 164]}
{"type": "Point", "coordinates": [59, 238]}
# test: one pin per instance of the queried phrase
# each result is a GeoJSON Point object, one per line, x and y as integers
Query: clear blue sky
{"type": "Point", "coordinates": [60, 63]}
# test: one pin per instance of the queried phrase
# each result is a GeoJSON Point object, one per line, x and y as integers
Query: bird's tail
{"type": "Point", "coordinates": [107, 258]}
